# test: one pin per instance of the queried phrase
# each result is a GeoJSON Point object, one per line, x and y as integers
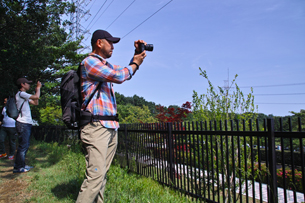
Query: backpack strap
{"type": "Point", "coordinates": [80, 84]}
{"type": "Point", "coordinates": [97, 87]}
{"type": "Point", "coordinates": [19, 110]}
{"type": "Point", "coordinates": [91, 96]}
{"type": "Point", "coordinates": [1, 115]}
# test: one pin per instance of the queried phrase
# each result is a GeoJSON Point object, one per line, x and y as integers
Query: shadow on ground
{"type": "Point", "coordinates": [67, 190]}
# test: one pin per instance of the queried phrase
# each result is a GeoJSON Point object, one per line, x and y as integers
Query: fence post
{"type": "Point", "coordinates": [170, 151]}
{"type": "Point", "coordinates": [272, 189]}
{"type": "Point", "coordinates": [126, 145]}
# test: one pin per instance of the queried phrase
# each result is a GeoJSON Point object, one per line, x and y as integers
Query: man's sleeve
{"type": "Point", "coordinates": [25, 96]}
{"type": "Point", "coordinates": [98, 71]}
{"type": "Point", "coordinates": [121, 68]}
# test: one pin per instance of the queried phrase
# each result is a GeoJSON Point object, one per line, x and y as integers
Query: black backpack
{"type": "Point", "coordinates": [71, 101]}
{"type": "Point", "coordinates": [11, 108]}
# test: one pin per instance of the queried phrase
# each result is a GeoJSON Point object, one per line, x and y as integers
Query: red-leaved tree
{"type": "Point", "coordinates": [173, 114]}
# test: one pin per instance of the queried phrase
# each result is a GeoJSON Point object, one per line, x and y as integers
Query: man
{"type": "Point", "coordinates": [8, 129]}
{"type": "Point", "coordinates": [24, 122]}
{"type": "Point", "coordinates": [100, 136]}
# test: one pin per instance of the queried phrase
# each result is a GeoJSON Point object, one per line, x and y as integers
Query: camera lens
{"type": "Point", "coordinates": [149, 47]}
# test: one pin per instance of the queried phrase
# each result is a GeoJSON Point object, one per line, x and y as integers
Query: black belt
{"type": "Point", "coordinates": [87, 117]}
{"type": "Point", "coordinates": [106, 118]}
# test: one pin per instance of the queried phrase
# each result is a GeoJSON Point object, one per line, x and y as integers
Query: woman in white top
{"type": "Point", "coordinates": [8, 129]}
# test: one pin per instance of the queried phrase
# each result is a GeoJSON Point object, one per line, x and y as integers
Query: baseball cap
{"type": "Point", "coordinates": [102, 34]}
{"type": "Point", "coordinates": [23, 80]}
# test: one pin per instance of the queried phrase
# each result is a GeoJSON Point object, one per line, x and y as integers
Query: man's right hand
{"type": "Point", "coordinates": [38, 85]}
{"type": "Point", "coordinates": [139, 58]}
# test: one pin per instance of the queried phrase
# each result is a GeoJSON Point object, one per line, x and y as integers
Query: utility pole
{"type": "Point", "coordinates": [226, 89]}
{"type": "Point", "coordinates": [227, 83]}
{"type": "Point", "coordinates": [76, 29]}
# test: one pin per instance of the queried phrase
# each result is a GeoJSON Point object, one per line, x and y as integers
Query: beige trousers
{"type": "Point", "coordinates": [101, 144]}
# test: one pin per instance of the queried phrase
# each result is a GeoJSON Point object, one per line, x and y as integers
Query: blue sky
{"type": "Point", "coordinates": [262, 41]}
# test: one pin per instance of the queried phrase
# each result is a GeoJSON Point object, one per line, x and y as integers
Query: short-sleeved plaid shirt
{"type": "Point", "coordinates": [93, 71]}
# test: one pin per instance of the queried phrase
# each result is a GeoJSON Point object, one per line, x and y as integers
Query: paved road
{"type": "Point", "coordinates": [184, 170]}
{"type": "Point", "coordinates": [264, 195]}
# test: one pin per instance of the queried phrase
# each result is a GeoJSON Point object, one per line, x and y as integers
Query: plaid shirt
{"type": "Point", "coordinates": [94, 71]}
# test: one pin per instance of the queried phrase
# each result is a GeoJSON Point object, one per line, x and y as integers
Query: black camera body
{"type": "Point", "coordinates": [147, 47]}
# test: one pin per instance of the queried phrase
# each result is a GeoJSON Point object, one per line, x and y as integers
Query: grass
{"type": "Point", "coordinates": [59, 172]}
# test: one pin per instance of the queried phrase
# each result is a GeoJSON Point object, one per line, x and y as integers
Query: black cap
{"type": "Point", "coordinates": [23, 80]}
{"type": "Point", "coordinates": [102, 34]}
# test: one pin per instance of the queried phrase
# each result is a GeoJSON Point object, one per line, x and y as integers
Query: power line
{"type": "Point", "coordinates": [147, 19]}
{"type": "Point", "coordinates": [120, 14]}
{"type": "Point", "coordinates": [278, 94]}
{"type": "Point", "coordinates": [274, 85]}
{"type": "Point", "coordinates": [102, 13]}
{"type": "Point", "coordinates": [282, 103]}
{"type": "Point", "coordinates": [92, 4]}
{"type": "Point", "coordinates": [96, 14]}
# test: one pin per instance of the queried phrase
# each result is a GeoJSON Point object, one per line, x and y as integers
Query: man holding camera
{"type": "Point", "coordinates": [100, 135]}
{"type": "Point", "coordinates": [24, 122]}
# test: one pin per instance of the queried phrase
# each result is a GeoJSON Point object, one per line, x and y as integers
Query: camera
{"type": "Point", "coordinates": [147, 47]}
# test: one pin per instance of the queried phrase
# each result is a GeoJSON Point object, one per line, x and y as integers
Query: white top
{"type": "Point", "coordinates": [7, 122]}
{"type": "Point", "coordinates": [25, 115]}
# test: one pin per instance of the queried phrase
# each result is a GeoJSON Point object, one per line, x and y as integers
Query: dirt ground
{"type": "Point", "coordinates": [12, 186]}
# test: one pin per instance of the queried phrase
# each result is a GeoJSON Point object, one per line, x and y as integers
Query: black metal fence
{"type": "Point", "coordinates": [229, 161]}
{"type": "Point", "coordinates": [54, 133]}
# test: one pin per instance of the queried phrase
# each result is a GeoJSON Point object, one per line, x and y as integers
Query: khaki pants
{"type": "Point", "coordinates": [101, 144]}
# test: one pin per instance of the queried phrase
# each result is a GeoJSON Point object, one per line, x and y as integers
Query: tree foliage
{"type": "Point", "coordinates": [173, 113]}
{"type": "Point", "coordinates": [135, 114]}
{"type": "Point", "coordinates": [51, 114]}
{"type": "Point", "coordinates": [295, 117]}
{"type": "Point", "coordinates": [135, 100]}
{"type": "Point", "coordinates": [219, 104]}
{"type": "Point", "coordinates": [34, 42]}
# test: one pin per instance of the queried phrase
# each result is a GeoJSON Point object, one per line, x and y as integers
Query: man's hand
{"type": "Point", "coordinates": [138, 58]}
{"type": "Point", "coordinates": [38, 85]}
{"type": "Point", "coordinates": [34, 98]}
{"type": "Point", "coordinates": [137, 46]}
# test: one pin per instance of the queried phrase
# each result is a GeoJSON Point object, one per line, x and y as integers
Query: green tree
{"type": "Point", "coordinates": [135, 114]}
{"type": "Point", "coordinates": [34, 43]}
{"type": "Point", "coordinates": [219, 104]}
{"type": "Point", "coordinates": [135, 101]}
{"type": "Point", "coordinates": [292, 123]}
{"type": "Point", "coordinates": [51, 114]}
{"type": "Point", "coordinates": [295, 123]}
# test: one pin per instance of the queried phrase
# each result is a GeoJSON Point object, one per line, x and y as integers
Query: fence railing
{"type": "Point", "coordinates": [54, 133]}
{"type": "Point", "coordinates": [229, 161]}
